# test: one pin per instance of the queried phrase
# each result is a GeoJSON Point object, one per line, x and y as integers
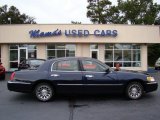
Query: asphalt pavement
{"type": "Point", "coordinates": [20, 106]}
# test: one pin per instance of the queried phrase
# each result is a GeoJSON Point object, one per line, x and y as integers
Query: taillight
{"type": "Point", "coordinates": [12, 76]}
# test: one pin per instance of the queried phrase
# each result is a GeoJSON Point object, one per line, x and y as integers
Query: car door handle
{"type": "Point", "coordinates": [89, 76]}
{"type": "Point", "coordinates": [54, 75]}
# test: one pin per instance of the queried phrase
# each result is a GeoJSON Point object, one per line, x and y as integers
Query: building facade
{"type": "Point", "coordinates": [111, 44]}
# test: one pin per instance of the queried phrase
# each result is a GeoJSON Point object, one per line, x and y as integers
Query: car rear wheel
{"type": "Point", "coordinates": [44, 92]}
{"type": "Point", "coordinates": [134, 90]}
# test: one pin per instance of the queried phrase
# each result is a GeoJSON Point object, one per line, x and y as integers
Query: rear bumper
{"type": "Point", "coordinates": [152, 86]}
{"type": "Point", "coordinates": [19, 86]}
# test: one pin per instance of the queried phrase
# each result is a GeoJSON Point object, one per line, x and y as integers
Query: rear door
{"type": "Point", "coordinates": [67, 76]}
{"type": "Point", "coordinates": [97, 79]}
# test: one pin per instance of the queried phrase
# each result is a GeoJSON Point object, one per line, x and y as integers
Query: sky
{"type": "Point", "coordinates": [54, 11]}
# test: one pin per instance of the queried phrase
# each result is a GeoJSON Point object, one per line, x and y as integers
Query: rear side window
{"type": "Point", "coordinates": [67, 65]}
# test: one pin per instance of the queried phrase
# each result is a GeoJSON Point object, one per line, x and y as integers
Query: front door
{"type": "Point", "coordinates": [22, 54]}
{"type": "Point", "coordinates": [97, 79]}
{"type": "Point", "coordinates": [67, 76]}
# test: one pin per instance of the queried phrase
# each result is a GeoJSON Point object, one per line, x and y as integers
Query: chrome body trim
{"type": "Point", "coordinates": [92, 84]}
{"type": "Point", "coordinates": [18, 82]}
{"type": "Point", "coordinates": [151, 83]}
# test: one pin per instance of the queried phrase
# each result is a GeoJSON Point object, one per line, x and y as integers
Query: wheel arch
{"type": "Point", "coordinates": [135, 80]}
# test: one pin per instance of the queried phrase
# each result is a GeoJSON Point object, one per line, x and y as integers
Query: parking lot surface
{"type": "Point", "coordinates": [20, 106]}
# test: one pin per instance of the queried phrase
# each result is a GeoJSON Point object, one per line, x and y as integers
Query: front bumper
{"type": "Point", "coordinates": [19, 86]}
{"type": "Point", "coordinates": [151, 86]}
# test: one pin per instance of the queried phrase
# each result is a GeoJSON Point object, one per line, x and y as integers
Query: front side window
{"type": "Point", "coordinates": [71, 65]}
{"type": "Point", "coordinates": [92, 66]}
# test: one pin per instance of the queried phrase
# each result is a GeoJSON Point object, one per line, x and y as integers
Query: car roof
{"type": "Point", "coordinates": [35, 59]}
{"type": "Point", "coordinates": [69, 58]}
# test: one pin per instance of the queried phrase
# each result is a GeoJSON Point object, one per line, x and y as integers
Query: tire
{"type": "Point", "coordinates": [44, 92]}
{"type": "Point", "coordinates": [134, 90]}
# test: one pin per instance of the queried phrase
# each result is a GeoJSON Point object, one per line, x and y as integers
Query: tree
{"type": "Point", "coordinates": [98, 10]}
{"type": "Point", "coordinates": [15, 16]}
{"type": "Point", "coordinates": [126, 12]}
{"type": "Point", "coordinates": [138, 11]}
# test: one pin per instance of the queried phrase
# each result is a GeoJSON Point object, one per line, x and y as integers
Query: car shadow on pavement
{"type": "Point", "coordinates": [23, 97]}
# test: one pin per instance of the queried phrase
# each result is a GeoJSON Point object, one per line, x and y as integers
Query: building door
{"type": "Point", "coordinates": [94, 54]}
{"type": "Point", "coordinates": [22, 54]}
{"type": "Point", "coordinates": [94, 51]}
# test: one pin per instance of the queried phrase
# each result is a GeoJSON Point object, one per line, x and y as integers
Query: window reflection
{"type": "Point", "coordinates": [108, 55]}
{"type": "Point", "coordinates": [128, 55]}
{"type": "Point", "coordinates": [16, 53]}
{"type": "Point", "coordinates": [60, 50]}
{"type": "Point", "coordinates": [118, 55]}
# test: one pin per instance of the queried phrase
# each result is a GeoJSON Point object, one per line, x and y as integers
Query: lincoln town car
{"type": "Point", "coordinates": [80, 75]}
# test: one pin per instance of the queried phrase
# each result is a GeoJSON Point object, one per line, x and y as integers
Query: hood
{"type": "Point", "coordinates": [130, 75]}
{"type": "Point", "coordinates": [132, 71]}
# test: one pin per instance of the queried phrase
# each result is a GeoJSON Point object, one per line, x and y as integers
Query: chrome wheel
{"type": "Point", "coordinates": [44, 92]}
{"type": "Point", "coordinates": [134, 90]}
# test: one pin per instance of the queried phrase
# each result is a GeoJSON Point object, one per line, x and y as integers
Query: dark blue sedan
{"type": "Point", "coordinates": [79, 75]}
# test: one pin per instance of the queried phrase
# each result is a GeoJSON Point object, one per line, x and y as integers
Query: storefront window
{"type": "Point", "coordinates": [32, 51]}
{"type": "Point", "coordinates": [60, 50]}
{"type": "Point", "coordinates": [19, 52]}
{"type": "Point", "coordinates": [13, 56]}
{"type": "Point", "coordinates": [32, 54]}
{"type": "Point", "coordinates": [118, 55]}
{"type": "Point", "coordinates": [13, 46]}
{"type": "Point", "coordinates": [128, 55]}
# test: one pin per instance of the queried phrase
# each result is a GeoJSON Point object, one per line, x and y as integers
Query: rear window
{"type": "Point", "coordinates": [71, 65]}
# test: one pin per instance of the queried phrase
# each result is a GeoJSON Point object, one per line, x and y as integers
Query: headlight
{"type": "Point", "coordinates": [150, 79]}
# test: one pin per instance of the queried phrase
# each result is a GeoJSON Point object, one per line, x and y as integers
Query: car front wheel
{"type": "Point", "coordinates": [134, 90]}
{"type": "Point", "coordinates": [44, 92]}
